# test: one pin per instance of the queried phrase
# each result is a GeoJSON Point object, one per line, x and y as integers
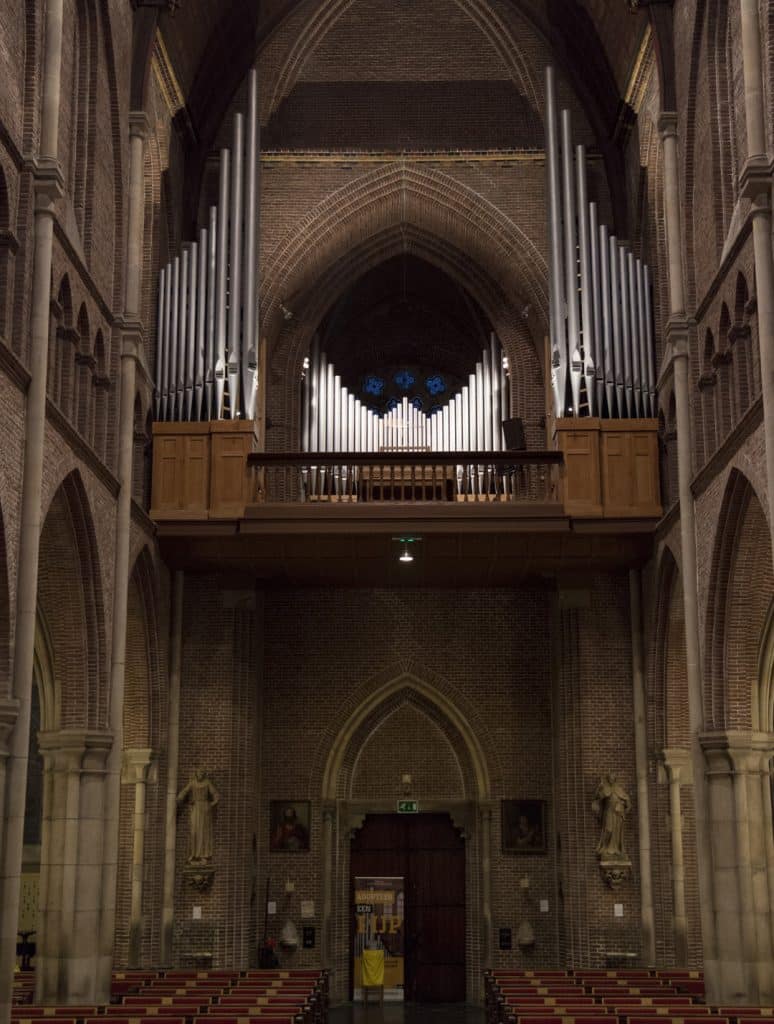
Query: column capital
{"type": "Point", "coordinates": [9, 712]}
{"type": "Point", "coordinates": [678, 765]}
{"type": "Point", "coordinates": [667, 124]}
{"type": "Point", "coordinates": [48, 184]}
{"type": "Point", "coordinates": [76, 750]}
{"type": "Point", "coordinates": [736, 751]}
{"type": "Point", "coordinates": [139, 124]}
{"type": "Point", "coordinates": [756, 179]}
{"type": "Point", "coordinates": [677, 347]}
{"type": "Point", "coordinates": [135, 764]}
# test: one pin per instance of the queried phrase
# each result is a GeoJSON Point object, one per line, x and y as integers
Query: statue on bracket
{"type": "Point", "coordinates": [611, 804]}
{"type": "Point", "coordinates": [202, 795]}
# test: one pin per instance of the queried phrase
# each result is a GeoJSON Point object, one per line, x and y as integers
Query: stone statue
{"type": "Point", "coordinates": [202, 795]}
{"type": "Point", "coordinates": [611, 805]}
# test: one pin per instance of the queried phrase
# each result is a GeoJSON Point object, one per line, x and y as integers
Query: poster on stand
{"type": "Point", "coordinates": [379, 925]}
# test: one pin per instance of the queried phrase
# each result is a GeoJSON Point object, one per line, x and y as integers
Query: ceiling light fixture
{"type": "Point", "coordinates": [406, 557]}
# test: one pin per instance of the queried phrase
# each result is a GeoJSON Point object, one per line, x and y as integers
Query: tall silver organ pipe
{"type": "Point", "coordinates": [601, 317]}
{"type": "Point", "coordinates": [333, 418]}
{"type": "Point", "coordinates": [208, 308]}
{"type": "Point", "coordinates": [160, 343]}
{"type": "Point", "coordinates": [556, 279]}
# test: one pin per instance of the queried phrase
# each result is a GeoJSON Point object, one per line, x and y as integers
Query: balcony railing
{"type": "Point", "coordinates": [407, 476]}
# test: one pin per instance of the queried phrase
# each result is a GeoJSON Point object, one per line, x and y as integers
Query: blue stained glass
{"type": "Point", "coordinates": [404, 380]}
{"type": "Point", "coordinates": [392, 404]}
{"type": "Point", "coordinates": [434, 409]}
{"type": "Point", "coordinates": [436, 385]}
{"type": "Point", "coordinates": [417, 403]}
{"type": "Point", "coordinates": [374, 386]}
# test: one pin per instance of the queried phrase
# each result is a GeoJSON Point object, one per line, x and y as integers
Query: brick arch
{"type": "Point", "coordinates": [740, 595]}
{"type": "Point", "coordinates": [480, 12]}
{"type": "Point", "coordinates": [295, 340]}
{"type": "Point", "coordinates": [70, 602]}
{"type": "Point", "coordinates": [429, 200]}
{"type": "Point", "coordinates": [378, 699]}
{"type": "Point", "coordinates": [386, 213]}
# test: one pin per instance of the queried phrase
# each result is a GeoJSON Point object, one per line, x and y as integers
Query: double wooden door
{"type": "Point", "coordinates": [429, 853]}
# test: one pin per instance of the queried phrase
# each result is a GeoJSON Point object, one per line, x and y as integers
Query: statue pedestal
{"type": "Point", "coordinates": [615, 870]}
{"type": "Point", "coordinates": [199, 876]}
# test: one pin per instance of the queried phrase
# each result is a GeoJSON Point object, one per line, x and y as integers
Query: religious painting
{"type": "Point", "coordinates": [289, 830]}
{"type": "Point", "coordinates": [524, 826]}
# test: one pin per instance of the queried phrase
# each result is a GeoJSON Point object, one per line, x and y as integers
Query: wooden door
{"type": "Point", "coordinates": [429, 853]}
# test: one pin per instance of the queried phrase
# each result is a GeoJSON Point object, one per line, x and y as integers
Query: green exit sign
{"type": "Point", "coordinates": [408, 807]}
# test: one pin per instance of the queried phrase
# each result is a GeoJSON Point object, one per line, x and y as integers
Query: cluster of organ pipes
{"type": "Point", "coordinates": [600, 295]}
{"type": "Point", "coordinates": [335, 420]}
{"type": "Point", "coordinates": [207, 349]}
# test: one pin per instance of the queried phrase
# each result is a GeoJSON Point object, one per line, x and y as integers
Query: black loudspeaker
{"type": "Point", "coordinates": [514, 434]}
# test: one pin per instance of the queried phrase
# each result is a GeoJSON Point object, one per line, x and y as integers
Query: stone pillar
{"type": "Point", "coordinates": [678, 767]}
{"type": "Point", "coordinates": [48, 186]}
{"type": "Point", "coordinates": [741, 859]}
{"type": "Point", "coordinates": [71, 865]}
{"type": "Point", "coordinates": [756, 184]}
{"type": "Point", "coordinates": [641, 761]}
{"type": "Point", "coordinates": [173, 746]}
{"type": "Point", "coordinates": [678, 360]}
{"type": "Point", "coordinates": [132, 360]}
{"type": "Point", "coordinates": [327, 951]}
{"type": "Point", "coordinates": [485, 846]}
{"type": "Point", "coordinates": [136, 770]}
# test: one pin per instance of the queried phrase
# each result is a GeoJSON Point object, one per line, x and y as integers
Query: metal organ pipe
{"type": "Point", "coordinates": [221, 326]}
{"type": "Point", "coordinates": [212, 301]}
{"type": "Point", "coordinates": [161, 344]}
{"type": "Point", "coordinates": [625, 330]}
{"type": "Point", "coordinates": [571, 269]}
{"type": "Point", "coordinates": [235, 267]}
{"type": "Point", "coordinates": [167, 327]}
{"type": "Point", "coordinates": [190, 351]}
{"type": "Point", "coordinates": [556, 277]}
{"type": "Point", "coordinates": [588, 352]}
{"type": "Point", "coordinates": [615, 305]}
{"type": "Point", "coordinates": [250, 317]}
{"type": "Point", "coordinates": [201, 325]}
{"type": "Point", "coordinates": [634, 334]}
{"type": "Point", "coordinates": [172, 367]}
{"type": "Point", "coordinates": [607, 324]}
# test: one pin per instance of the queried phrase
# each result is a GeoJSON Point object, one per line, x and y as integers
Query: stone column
{"type": "Point", "coordinates": [677, 359]}
{"type": "Point", "coordinates": [485, 846]}
{"type": "Point", "coordinates": [756, 182]}
{"type": "Point", "coordinates": [327, 951]}
{"type": "Point", "coordinates": [132, 358]}
{"type": "Point", "coordinates": [173, 746]}
{"type": "Point", "coordinates": [740, 858]}
{"type": "Point", "coordinates": [48, 186]}
{"type": "Point", "coordinates": [137, 763]}
{"type": "Point", "coordinates": [678, 766]}
{"type": "Point", "coordinates": [641, 761]}
{"type": "Point", "coordinates": [71, 865]}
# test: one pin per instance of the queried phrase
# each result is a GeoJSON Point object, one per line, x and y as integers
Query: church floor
{"type": "Point", "coordinates": [408, 1013]}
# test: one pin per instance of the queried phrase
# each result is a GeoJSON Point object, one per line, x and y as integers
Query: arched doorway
{"type": "Point", "coordinates": [409, 729]}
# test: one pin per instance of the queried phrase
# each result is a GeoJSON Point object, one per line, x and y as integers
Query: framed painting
{"type": "Point", "coordinates": [289, 826]}
{"type": "Point", "coordinates": [524, 826]}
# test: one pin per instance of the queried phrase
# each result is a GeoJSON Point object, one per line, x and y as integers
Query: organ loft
{"type": "Point", "coordinates": [386, 511]}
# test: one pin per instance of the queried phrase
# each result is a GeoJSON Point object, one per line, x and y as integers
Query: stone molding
{"type": "Point", "coordinates": [677, 765]}
{"type": "Point", "coordinates": [737, 751]}
{"type": "Point", "coordinates": [137, 764]}
{"type": "Point", "coordinates": [75, 750]}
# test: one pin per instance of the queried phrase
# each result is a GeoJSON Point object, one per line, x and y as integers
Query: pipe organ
{"type": "Point", "coordinates": [208, 301]}
{"type": "Point", "coordinates": [601, 316]}
{"type": "Point", "coordinates": [335, 420]}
